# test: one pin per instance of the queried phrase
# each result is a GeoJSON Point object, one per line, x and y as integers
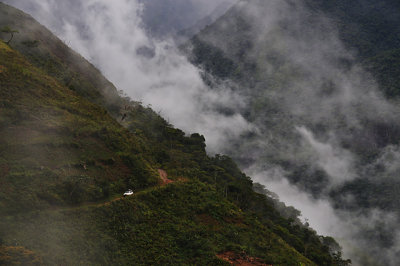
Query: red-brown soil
{"type": "Point", "coordinates": [241, 260]}
{"type": "Point", "coordinates": [164, 177]}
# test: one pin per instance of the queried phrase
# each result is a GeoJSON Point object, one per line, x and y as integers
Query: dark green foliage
{"type": "Point", "coordinates": [81, 160]}
{"type": "Point", "coordinates": [220, 65]}
{"type": "Point", "coordinates": [386, 67]}
{"type": "Point", "coordinates": [60, 146]}
{"type": "Point", "coordinates": [65, 161]}
{"type": "Point", "coordinates": [371, 29]}
{"type": "Point", "coordinates": [183, 223]}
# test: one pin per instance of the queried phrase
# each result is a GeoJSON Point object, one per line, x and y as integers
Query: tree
{"type": "Point", "coordinates": [10, 31]}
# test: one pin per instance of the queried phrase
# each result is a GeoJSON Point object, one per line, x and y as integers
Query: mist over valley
{"type": "Point", "coordinates": [302, 95]}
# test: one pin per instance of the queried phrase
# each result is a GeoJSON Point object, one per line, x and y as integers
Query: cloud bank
{"type": "Point", "coordinates": [112, 37]}
{"type": "Point", "coordinates": [323, 122]}
{"type": "Point", "coordinates": [325, 102]}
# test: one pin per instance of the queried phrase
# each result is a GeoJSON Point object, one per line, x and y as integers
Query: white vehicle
{"type": "Point", "coordinates": [128, 193]}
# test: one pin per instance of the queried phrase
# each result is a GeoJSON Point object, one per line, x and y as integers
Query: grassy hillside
{"type": "Point", "coordinates": [50, 54]}
{"type": "Point", "coordinates": [64, 160]}
{"type": "Point", "coordinates": [58, 147]}
{"type": "Point", "coordinates": [66, 157]}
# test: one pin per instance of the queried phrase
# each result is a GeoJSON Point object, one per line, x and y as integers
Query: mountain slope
{"type": "Point", "coordinates": [188, 32]}
{"type": "Point", "coordinates": [48, 136]}
{"type": "Point", "coordinates": [371, 29]}
{"type": "Point", "coordinates": [69, 152]}
{"type": "Point", "coordinates": [320, 79]}
{"type": "Point", "coordinates": [161, 18]}
{"type": "Point", "coordinates": [286, 90]}
{"type": "Point", "coordinates": [166, 18]}
{"type": "Point", "coordinates": [50, 54]}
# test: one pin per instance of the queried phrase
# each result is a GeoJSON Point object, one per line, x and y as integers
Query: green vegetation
{"type": "Point", "coordinates": [268, 77]}
{"type": "Point", "coordinates": [59, 146]}
{"type": "Point", "coordinates": [180, 224]}
{"type": "Point", "coordinates": [65, 161]}
{"type": "Point", "coordinates": [371, 29]}
{"type": "Point", "coordinates": [273, 66]}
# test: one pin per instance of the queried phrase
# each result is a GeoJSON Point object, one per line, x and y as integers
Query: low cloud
{"type": "Point", "coordinates": [323, 106]}
{"type": "Point", "coordinates": [349, 228]}
{"type": "Point", "coordinates": [111, 35]}
{"type": "Point", "coordinates": [338, 163]}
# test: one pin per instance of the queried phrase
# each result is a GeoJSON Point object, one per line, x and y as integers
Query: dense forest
{"type": "Point", "coordinates": [322, 83]}
{"type": "Point", "coordinates": [71, 144]}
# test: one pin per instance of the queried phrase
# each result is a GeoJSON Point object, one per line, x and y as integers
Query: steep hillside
{"type": "Point", "coordinates": [368, 28]}
{"type": "Point", "coordinates": [321, 82]}
{"type": "Point", "coordinates": [295, 77]}
{"type": "Point", "coordinates": [58, 147]}
{"type": "Point", "coordinates": [71, 145]}
{"type": "Point", "coordinates": [50, 54]}
{"type": "Point", "coordinates": [371, 29]}
{"type": "Point", "coordinates": [286, 90]}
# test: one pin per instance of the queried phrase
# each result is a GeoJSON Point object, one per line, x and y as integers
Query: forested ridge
{"type": "Point", "coordinates": [321, 82]}
{"type": "Point", "coordinates": [71, 144]}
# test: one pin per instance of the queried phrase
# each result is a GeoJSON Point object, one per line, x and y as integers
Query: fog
{"type": "Point", "coordinates": [112, 35]}
{"type": "Point", "coordinates": [348, 228]}
{"type": "Point", "coordinates": [323, 123]}
{"type": "Point", "coordinates": [160, 18]}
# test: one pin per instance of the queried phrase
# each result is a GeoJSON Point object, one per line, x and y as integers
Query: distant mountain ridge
{"type": "Point", "coordinates": [371, 29]}
{"type": "Point", "coordinates": [161, 18]}
{"type": "Point", "coordinates": [189, 32]}
{"type": "Point", "coordinates": [173, 17]}
{"type": "Point", "coordinates": [322, 82]}
{"type": "Point", "coordinates": [71, 145]}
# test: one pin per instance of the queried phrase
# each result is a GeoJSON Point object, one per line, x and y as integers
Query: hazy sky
{"type": "Point", "coordinates": [162, 17]}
